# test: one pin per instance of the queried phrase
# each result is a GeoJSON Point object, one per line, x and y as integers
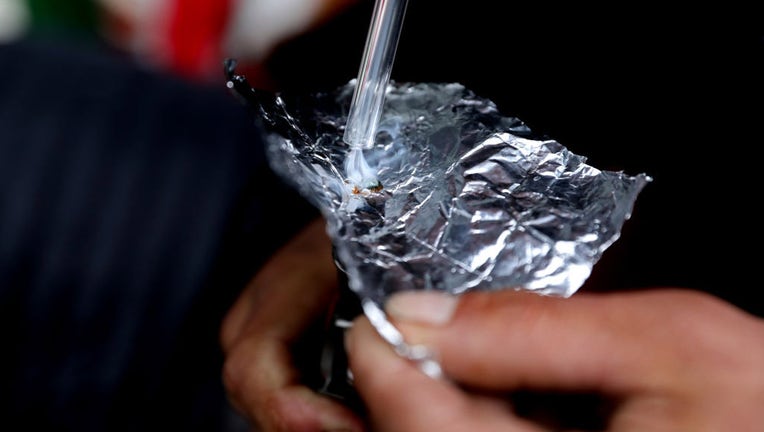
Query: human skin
{"type": "Point", "coordinates": [261, 335]}
{"type": "Point", "coordinates": [664, 359]}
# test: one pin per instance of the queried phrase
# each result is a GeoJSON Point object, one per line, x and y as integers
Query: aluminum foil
{"type": "Point", "coordinates": [458, 198]}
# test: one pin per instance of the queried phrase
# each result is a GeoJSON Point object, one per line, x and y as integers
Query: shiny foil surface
{"type": "Point", "coordinates": [457, 198]}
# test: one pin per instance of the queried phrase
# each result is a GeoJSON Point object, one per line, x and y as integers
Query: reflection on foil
{"type": "Point", "coordinates": [454, 196]}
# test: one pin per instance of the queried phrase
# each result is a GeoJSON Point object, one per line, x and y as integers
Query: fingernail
{"type": "Point", "coordinates": [426, 307]}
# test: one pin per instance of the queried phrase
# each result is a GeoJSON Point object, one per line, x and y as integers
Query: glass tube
{"type": "Point", "coordinates": [374, 73]}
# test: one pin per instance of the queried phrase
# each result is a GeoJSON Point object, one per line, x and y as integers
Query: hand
{"type": "Point", "coordinates": [264, 331]}
{"type": "Point", "coordinates": [653, 360]}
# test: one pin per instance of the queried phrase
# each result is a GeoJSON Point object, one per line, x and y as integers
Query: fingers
{"type": "Point", "coordinates": [508, 340]}
{"type": "Point", "coordinates": [263, 386]}
{"type": "Point", "coordinates": [259, 335]}
{"type": "Point", "coordinates": [661, 359]}
{"type": "Point", "coordinates": [400, 398]}
{"type": "Point", "coordinates": [522, 339]}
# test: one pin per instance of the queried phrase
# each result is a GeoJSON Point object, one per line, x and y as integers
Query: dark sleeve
{"type": "Point", "coordinates": [133, 209]}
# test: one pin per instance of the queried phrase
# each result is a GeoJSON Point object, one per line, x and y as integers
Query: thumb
{"type": "Point", "coordinates": [505, 340]}
{"type": "Point", "coordinates": [401, 398]}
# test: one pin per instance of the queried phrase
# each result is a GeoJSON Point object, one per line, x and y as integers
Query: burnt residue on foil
{"type": "Point", "coordinates": [466, 199]}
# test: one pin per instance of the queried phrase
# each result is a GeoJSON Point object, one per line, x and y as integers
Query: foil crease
{"type": "Point", "coordinates": [464, 199]}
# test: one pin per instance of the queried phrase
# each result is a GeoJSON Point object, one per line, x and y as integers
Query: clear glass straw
{"type": "Point", "coordinates": [374, 74]}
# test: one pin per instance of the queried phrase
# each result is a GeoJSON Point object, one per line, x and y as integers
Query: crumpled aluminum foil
{"type": "Point", "coordinates": [464, 198]}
